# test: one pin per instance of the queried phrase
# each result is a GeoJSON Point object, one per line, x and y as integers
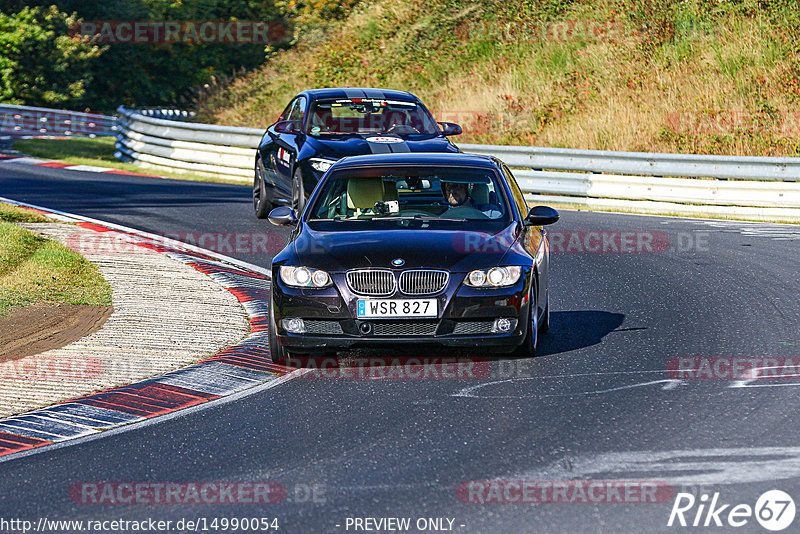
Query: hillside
{"type": "Point", "coordinates": [646, 75]}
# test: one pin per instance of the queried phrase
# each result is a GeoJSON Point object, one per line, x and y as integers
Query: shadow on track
{"type": "Point", "coordinates": [569, 330]}
{"type": "Point", "coordinates": [572, 330]}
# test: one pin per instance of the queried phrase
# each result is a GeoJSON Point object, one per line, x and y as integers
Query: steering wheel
{"type": "Point", "coordinates": [402, 129]}
{"type": "Point", "coordinates": [412, 212]}
{"type": "Point", "coordinates": [465, 212]}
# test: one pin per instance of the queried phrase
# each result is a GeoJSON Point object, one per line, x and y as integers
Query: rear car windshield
{"type": "Point", "coordinates": [433, 194]}
{"type": "Point", "coordinates": [344, 116]}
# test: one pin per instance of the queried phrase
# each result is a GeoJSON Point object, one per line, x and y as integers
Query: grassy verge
{"type": "Point", "coordinates": [35, 269]}
{"type": "Point", "coordinates": [98, 152]}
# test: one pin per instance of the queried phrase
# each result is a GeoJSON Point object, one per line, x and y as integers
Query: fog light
{"type": "Point", "coordinates": [294, 325]}
{"type": "Point", "coordinates": [503, 325]}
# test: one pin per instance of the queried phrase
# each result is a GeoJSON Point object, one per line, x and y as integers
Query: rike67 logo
{"type": "Point", "coordinates": [774, 510]}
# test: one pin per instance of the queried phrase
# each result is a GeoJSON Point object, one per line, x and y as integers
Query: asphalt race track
{"type": "Point", "coordinates": [597, 404]}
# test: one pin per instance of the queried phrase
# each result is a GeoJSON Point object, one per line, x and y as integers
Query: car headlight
{"type": "Point", "coordinates": [494, 277]}
{"type": "Point", "coordinates": [304, 277]}
{"type": "Point", "coordinates": [320, 164]}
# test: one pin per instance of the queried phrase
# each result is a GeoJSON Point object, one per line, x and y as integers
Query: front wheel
{"type": "Point", "coordinates": [277, 352]}
{"type": "Point", "coordinates": [261, 204]}
{"type": "Point", "coordinates": [528, 347]}
{"type": "Point", "coordinates": [298, 191]}
{"type": "Point", "coordinates": [544, 324]}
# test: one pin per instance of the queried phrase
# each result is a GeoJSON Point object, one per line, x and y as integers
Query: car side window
{"type": "Point", "coordinates": [519, 198]}
{"type": "Point", "coordinates": [285, 115]}
{"type": "Point", "coordinates": [298, 110]}
{"type": "Point", "coordinates": [301, 109]}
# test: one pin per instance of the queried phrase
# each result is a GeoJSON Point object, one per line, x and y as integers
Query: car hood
{"type": "Point", "coordinates": [456, 251]}
{"type": "Point", "coordinates": [356, 145]}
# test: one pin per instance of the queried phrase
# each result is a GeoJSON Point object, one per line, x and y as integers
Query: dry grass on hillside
{"type": "Point", "coordinates": [701, 77]}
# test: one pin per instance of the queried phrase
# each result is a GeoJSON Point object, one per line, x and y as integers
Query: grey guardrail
{"type": "Point", "coordinates": [179, 146]}
{"type": "Point", "coordinates": [686, 184]}
{"type": "Point", "coordinates": [644, 163]}
{"type": "Point", "coordinates": [689, 184]}
{"type": "Point", "coordinates": [33, 121]}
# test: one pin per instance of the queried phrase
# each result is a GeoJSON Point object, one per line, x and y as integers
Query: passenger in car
{"type": "Point", "coordinates": [485, 200]}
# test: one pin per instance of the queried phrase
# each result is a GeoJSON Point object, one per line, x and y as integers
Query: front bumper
{"type": "Point", "coordinates": [462, 312]}
{"type": "Point", "coordinates": [317, 343]}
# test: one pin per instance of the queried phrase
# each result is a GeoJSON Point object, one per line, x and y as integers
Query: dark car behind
{"type": "Point", "coordinates": [320, 126]}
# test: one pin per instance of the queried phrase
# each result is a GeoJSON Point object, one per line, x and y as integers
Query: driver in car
{"type": "Point", "coordinates": [457, 194]}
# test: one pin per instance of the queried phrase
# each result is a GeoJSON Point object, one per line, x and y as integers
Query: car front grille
{"type": "Point", "coordinates": [314, 326]}
{"type": "Point", "coordinates": [423, 281]}
{"type": "Point", "coordinates": [372, 282]}
{"type": "Point", "coordinates": [467, 328]}
{"type": "Point", "coordinates": [406, 328]}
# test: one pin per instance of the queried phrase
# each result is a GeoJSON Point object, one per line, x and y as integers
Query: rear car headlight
{"type": "Point", "coordinates": [320, 164]}
{"type": "Point", "coordinates": [304, 277]}
{"type": "Point", "coordinates": [494, 277]}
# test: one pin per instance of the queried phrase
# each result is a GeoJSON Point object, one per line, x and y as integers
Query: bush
{"type": "Point", "coordinates": [40, 64]}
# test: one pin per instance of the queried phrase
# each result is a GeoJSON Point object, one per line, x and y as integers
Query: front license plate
{"type": "Point", "coordinates": [373, 309]}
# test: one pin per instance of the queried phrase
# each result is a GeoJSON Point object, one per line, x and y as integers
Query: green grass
{"type": "Point", "coordinates": [34, 269]}
{"type": "Point", "coordinates": [14, 214]}
{"type": "Point", "coordinates": [98, 152]}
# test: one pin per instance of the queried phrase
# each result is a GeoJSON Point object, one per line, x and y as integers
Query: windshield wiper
{"type": "Point", "coordinates": [415, 218]}
{"type": "Point", "coordinates": [339, 218]}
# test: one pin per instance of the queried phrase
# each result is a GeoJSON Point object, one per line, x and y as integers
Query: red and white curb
{"type": "Point", "coordinates": [240, 367]}
{"type": "Point", "coordinates": [25, 160]}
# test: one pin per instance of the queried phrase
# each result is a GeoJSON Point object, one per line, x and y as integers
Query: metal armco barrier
{"type": "Point", "coordinates": [32, 121]}
{"type": "Point", "coordinates": [644, 163]}
{"type": "Point", "coordinates": [149, 139]}
{"type": "Point", "coordinates": [687, 184]}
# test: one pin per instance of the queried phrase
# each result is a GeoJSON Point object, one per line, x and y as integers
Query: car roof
{"type": "Point", "coordinates": [418, 158]}
{"type": "Point", "coordinates": [357, 92]}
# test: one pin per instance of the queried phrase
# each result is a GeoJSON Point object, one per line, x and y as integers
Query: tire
{"type": "Point", "coordinates": [279, 354]}
{"type": "Point", "coordinates": [261, 204]}
{"type": "Point", "coordinates": [544, 325]}
{"type": "Point", "coordinates": [528, 347]}
{"type": "Point", "coordinates": [298, 191]}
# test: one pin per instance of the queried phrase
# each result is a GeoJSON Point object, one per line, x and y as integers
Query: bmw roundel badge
{"type": "Point", "coordinates": [398, 262]}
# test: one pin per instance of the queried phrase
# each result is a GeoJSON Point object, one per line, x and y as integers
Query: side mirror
{"type": "Point", "coordinates": [541, 215]}
{"type": "Point", "coordinates": [283, 216]}
{"type": "Point", "coordinates": [290, 127]}
{"type": "Point", "coordinates": [450, 128]}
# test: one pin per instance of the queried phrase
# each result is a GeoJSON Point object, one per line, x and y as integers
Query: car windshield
{"type": "Point", "coordinates": [368, 116]}
{"type": "Point", "coordinates": [454, 195]}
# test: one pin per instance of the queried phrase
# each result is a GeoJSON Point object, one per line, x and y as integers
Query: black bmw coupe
{"type": "Point", "coordinates": [320, 126]}
{"type": "Point", "coordinates": [412, 248]}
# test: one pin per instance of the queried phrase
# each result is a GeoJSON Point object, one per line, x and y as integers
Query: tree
{"type": "Point", "coordinates": [41, 64]}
